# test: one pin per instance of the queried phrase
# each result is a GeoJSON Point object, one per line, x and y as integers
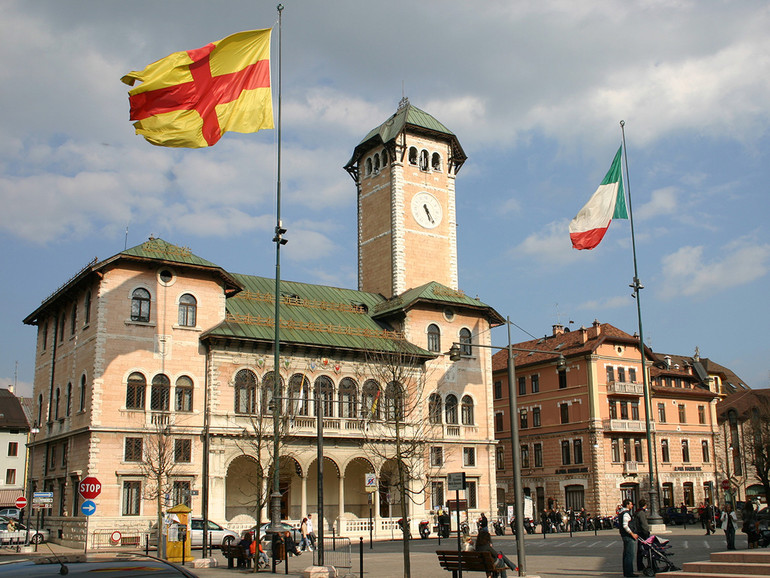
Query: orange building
{"type": "Point", "coordinates": [583, 430]}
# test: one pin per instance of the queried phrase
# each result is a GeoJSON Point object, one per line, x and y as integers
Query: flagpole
{"type": "Point", "coordinates": [654, 517]}
{"type": "Point", "coordinates": [275, 496]}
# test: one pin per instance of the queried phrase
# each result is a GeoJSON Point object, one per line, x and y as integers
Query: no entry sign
{"type": "Point", "coordinates": [21, 502]}
{"type": "Point", "coordinates": [90, 487]}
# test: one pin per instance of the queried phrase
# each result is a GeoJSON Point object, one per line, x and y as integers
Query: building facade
{"type": "Point", "coordinates": [155, 370]}
{"type": "Point", "coordinates": [583, 441]}
{"type": "Point", "coordinates": [14, 430]}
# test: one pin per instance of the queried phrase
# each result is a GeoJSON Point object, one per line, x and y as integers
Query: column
{"type": "Point", "coordinates": [303, 506]}
{"type": "Point", "coordinates": [342, 500]}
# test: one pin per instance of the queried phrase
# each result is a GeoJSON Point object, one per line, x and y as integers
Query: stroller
{"type": "Point", "coordinates": [656, 555]}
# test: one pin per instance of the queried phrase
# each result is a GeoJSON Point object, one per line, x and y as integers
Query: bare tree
{"type": "Point", "coordinates": [158, 467]}
{"type": "Point", "coordinates": [760, 440]}
{"type": "Point", "coordinates": [398, 431]}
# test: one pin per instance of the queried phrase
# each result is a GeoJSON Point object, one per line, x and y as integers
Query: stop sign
{"type": "Point", "coordinates": [90, 487]}
{"type": "Point", "coordinates": [21, 502]}
{"type": "Point", "coordinates": [725, 484]}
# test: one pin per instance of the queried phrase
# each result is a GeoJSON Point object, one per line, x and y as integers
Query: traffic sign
{"type": "Point", "coordinates": [115, 537]}
{"type": "Point", "coordinates": [42, 500]}
{"type": "Point", "coordinates": [725, 484]}
{"type": "Point", "coordinates": [88, 507]}
{"type": "Point", "coordinates": [370, 483]}
{"type": "Point", "coordinates": [90, 487]}
{"type": "Point", "coordinates": [21, 502]}
{"type": "Point", "coordinates": [456, 481]}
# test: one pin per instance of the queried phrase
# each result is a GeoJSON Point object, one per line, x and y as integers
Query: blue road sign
{"type": "Point", "coordinates": [88, 507]}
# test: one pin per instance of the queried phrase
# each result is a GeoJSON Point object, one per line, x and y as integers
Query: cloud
{"type": "Point", "coordinates": [604, 304]}
{"type": "Point", "coordinates": [688, 273]}
{"type": "Point", "coordinates": [662, 202]}
{"type": "Point", "coordinates": [551, 245]}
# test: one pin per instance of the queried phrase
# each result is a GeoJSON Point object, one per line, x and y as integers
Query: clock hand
{"type": "Point", "coordinates": [427, 212]}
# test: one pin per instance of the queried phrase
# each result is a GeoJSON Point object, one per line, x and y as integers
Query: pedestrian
{"type": "Point", "coordinates": [629, 537]}
{"type": "Point", "coordinates": [643, 530]}
{"type": "Point", "coordinates": [245, 545]}
{"type": "Point", "coordinates": [708, 516]}
{"type": "Point", "coordinates": [483, 523]}
{"type": "Point", "coordinates": [484, 544]}
{"type": "Point", "coordinates": [291, 545]}
{"type": "Point", "coordinates": [729, 523]}
{"type": "Point", "coordinates": [750, 525]}
{"type": "Point", "coordinates": [310, 532]}
{"type": "Point", "coordinates": [683, 511]}
{"type": "Point", "coordinates": [304, 544]}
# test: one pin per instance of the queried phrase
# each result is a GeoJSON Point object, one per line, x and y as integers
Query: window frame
{"type": "Point", "coordinates": [141, 305]}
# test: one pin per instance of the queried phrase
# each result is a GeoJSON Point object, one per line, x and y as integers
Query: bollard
{"type": "Point", "coordinates": [334, 539]}
{"type": "Point", "coordinates": [361, 556]}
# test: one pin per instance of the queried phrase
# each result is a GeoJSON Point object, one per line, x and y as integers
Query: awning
{"type": "Point", "coordinates": [8, 497]}
{"type": "Point", "coordinates": [755, 490]}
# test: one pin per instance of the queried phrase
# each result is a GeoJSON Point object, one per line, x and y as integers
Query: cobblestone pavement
{"type": "Point", "coordinates": [555, 556]}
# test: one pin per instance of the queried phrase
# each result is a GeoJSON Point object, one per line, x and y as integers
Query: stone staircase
{"type": "Point", "coordinates": [730, 564]}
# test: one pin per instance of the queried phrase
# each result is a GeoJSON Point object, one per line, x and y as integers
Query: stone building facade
{"type": "Point", "coordinates": [157, 359]}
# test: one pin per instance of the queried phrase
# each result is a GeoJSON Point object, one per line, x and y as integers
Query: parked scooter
{"type": "Point", "coordinates": [498, 527]}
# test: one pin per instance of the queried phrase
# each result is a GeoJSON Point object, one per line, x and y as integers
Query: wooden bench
{"type": "Point", "coordinates": [235, 555]}
{"type": "Point", "coordinates": [454, 561]}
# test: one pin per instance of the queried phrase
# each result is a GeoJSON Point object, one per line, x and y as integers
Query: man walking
{"type": "Point", "coordinates": [629, 538]}
{"type": "Point", "coordinates": [310, 531]}
{"type": "Point", "coordinates": [643, 529]}
{"type": "Point", "coordinates": [708, 515]}
{"type": "Point", "coordinates": [729, 522]}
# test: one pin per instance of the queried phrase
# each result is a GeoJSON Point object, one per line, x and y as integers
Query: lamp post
{"type": "Point", "coordinates": [455, 354]}
{"type": "Point", "coordinates": [34, 430]}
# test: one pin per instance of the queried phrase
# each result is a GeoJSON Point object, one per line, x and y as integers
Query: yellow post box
{"type": "Point", "coordinates": [178, 536]}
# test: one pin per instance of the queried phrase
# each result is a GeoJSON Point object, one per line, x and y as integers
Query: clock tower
{"type": "Point", "coordinates": [405, 175]}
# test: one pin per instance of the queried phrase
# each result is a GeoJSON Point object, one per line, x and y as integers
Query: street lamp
{"type": "Point", "coordinates": [34, 430]}
{"type": "Point", "coordinates": [455, 354]}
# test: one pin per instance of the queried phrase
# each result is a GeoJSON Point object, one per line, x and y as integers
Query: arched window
{"type": "Point", "coordinates": [412, 156]}
{"type": "Point", "coordinates": [183, 393]}
{"type": "Point", "coordinates": [140, 305]}
{"type": "Point", "coordinates": [368, 167]}
{"type": "Point", "coordinates": [384, 158]}
{"type": "Point", "coordinates": [434, 408]}
{"type": "Point", "coordinates": [82, 393]}
{"type": "Point", "coordinates": [394, 402]}
{"type": "Point", "coordinates": [68, 405]}
{"type": "Point", "coordinates": [160, 392]}
{"type": "Point", "coordinates": [188, 306]}
{"type": "Point", "coordinates": [62, 324]}
{"type": "Point", "coordinates": [450, 409]}
{"type": "Point", "coordinates": [370, 400]}
{"type": "Point", "coordinates": [376, 167]}
{"type": "Point", "coordinates": [245, 391]}
{"type": "Point", "coordinates": [324, 394]}
{"type": "Point", "coordinates": [74, 318]}
{"type": "Point", "coordinates": [435, 162]}
{"type": "Point", "coordinates": [348, 396]}
{"type": "Point", "coordinates": [423, 160]}
{"type": "Point", "coordinates": [465, 341]}
{"type": "Point", "coordinates": [434, 338]}
{"type": "Point", "coordinates": [467, 410]}
{"type": "Point", "coordinates": [135, 388]}
{"type": "Point", "coordinates": [299, 394]}
{"type": "Point", "coordinates": [56, 401]}
{"type": "Point", "coordinates": [39, 409]}
{"type": "Point", "coordinates": [268, 385]}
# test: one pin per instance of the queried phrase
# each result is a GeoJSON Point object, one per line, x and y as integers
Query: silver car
{"type": "Point", "coordinates": [18, 535]}
{"type": "Point", "coordinates": [217, 534]}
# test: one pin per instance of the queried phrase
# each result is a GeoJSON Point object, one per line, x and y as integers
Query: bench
{"type": "Point", "coordinates": [454, 561]}
{"type": "Point", "coordinates": [235, 555]}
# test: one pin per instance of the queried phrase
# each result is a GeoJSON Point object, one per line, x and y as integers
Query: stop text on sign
{"type": "Point", "coordinates": [90, 487]}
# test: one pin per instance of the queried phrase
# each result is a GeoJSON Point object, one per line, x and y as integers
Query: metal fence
{"type": "Point", "coordinates": [135, 539]}
{"type": "Point", "coordinates": [337, 553]}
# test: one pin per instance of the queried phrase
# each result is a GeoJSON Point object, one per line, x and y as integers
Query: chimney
{"type": "Point", "coordinates": [583, 334]}
{"type": "Point", "coordinates": [10, 388]}
{"type": "Point", "coordinates": [558, 329]}
{"type": "Point", "coordinates": [668, 361]}
{"type": "Point", "coordinates": [596, 328]}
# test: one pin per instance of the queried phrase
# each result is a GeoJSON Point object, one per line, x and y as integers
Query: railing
{"type": "Point", "coordinates": [336, 553]}
{"type": "Point", "coordinates": [626, 425]}
{"type": "Point", "coordinates": [128, 539]}
{"type": "Point", "coordinates": [625, 388]}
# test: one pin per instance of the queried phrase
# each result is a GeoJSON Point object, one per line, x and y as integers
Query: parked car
{"type": "Point", "coordinates": [124, 564]}
{"type": "Point", "coordinates": [674, 517]}
{"type": "Point", "coordinates": [14, 513]}
{"type": "Point", "coordinates": [19, 534]}
{"type": "Point", "coordinates": [217, 534]}
{"type": "Point", "coordinates": [266, 536]}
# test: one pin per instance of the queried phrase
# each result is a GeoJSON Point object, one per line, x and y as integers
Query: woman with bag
{"type": "Point", "coordinates": [750, 525]}
{"type": "Point", "coordinates": [484, 544]}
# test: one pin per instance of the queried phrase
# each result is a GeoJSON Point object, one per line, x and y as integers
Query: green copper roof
{"type": "Point", "coordinates": [435, 292]}
{"type": "Point", "coordinates": [155, 248]}
{"type": "Point", "coordinates": [311, 315]}
{"type": "Point", "coordinates": [407, 116]}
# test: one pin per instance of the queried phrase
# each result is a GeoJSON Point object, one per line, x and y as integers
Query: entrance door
{"type": "Point", "coordinates": [285, 488]}
{"type": "Point", "coordinates": [630, 491]}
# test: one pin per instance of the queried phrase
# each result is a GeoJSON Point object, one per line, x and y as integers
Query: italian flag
{"type": "Point", "coordinates": [608, 202]}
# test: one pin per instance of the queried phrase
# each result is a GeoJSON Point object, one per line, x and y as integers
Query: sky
{"type": "Point", "coordinates": [535, 92]}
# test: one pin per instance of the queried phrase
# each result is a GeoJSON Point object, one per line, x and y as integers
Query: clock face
{"type": "Point", "coordinates": [426, 210]}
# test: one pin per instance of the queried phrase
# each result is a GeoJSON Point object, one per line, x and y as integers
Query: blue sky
{"type": "Point", "coordinates": [534, 90]}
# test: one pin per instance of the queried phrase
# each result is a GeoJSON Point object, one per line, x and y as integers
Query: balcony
{"type": "Point", "coordinates": [626, 425]}
{"type": "Point", "coordinates": [625, 388]}
{"type": "Point", "coordinates": [630, 467]}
